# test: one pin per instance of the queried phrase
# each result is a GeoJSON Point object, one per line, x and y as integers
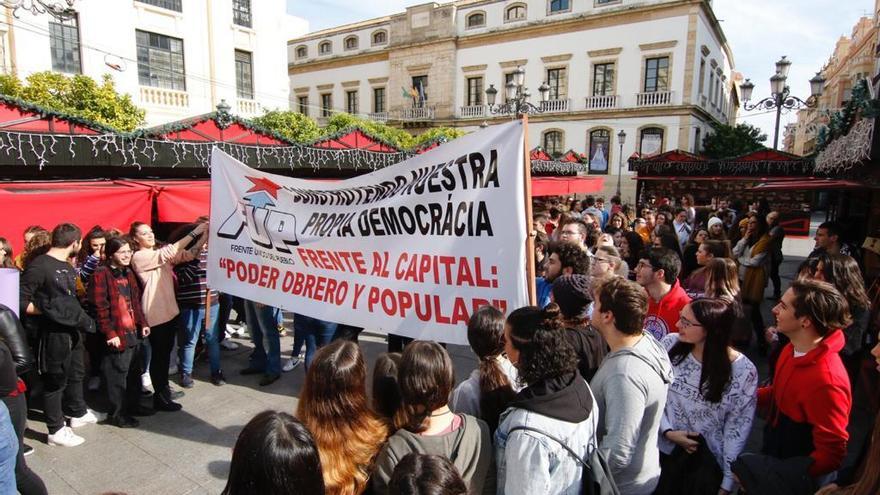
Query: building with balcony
{"type": "Point", "coordinates": [852, 60]}
{"type": "Point", "coordinates": [660, 70]}
{"type": "Point", "coordinates": [176, 58]}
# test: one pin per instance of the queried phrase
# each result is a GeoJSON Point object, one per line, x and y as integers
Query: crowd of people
{"type": "Point", "coordinates": [630, 375]}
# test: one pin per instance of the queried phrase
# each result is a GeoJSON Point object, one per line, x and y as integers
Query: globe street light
{"type": "Point", "coordinates": [780, 94]}
{"type": "Point", "coordinates": [621, 138]}
{"type": "Point", "coordinates": [517, 96]}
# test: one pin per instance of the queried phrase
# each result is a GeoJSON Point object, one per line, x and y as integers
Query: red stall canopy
{"type": "Point", "coordinates": [108, 204]}
{"type": "Point", "coordinates": [179, 200]}
{"type": "Point", "coordinates": [563, 186]}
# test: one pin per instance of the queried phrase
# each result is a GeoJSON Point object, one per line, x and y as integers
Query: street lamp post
{"type": "Point", "coordinates": [780, 95]}
{"type": "Point", "coordinates": [55, 8]}
{"type": "Point", "coordinates": [621, 138]}
{"type": "Point", "coordinates": [517, 102]}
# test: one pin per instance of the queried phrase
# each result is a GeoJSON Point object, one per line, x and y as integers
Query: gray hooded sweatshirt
{"type": "Point", "coordinates": [630, 388]}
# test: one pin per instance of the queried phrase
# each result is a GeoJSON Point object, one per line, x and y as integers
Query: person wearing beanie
{"type": "Point", "coordinates": [715, 226]}
{"type": "Point", "coordinates": [573, 294]}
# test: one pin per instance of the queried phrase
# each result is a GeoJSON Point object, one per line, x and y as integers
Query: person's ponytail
{"type": "Point", "coordinates": [496, 391]}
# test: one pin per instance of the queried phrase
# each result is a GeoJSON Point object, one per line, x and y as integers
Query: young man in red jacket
{"type": "Point", "coordinates": [657, 272]}
{"type": "Point", "coordinates": [808, 403]}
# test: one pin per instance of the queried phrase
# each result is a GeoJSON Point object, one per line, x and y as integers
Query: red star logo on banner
{"type": "Point", "coordinates": [261, 184]}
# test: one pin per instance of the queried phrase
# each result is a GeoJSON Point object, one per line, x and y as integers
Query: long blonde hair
{"type": "Point", "coordinates": [334, 408]}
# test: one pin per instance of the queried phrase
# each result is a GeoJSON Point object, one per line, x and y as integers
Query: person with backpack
{"type": "Point", "coordinates": [630, 386]}
{"type": "Point", "coordinates": [543, 439]}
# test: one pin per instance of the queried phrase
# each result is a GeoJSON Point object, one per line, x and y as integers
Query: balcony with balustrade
{"type": "Point", "coordinates": [472, 111]}
{"type": "Point", "coordinates": [248, 108]}
{"type": "Point", "coordinates": [152, 96]}
{"type": "Point", "coordinates": [602, 102]}
{"type": "Point", "coordinates": [655, 99]}
{"type": "Point", "coordinates": [378, 116]}
{"type": "Point", "coordinates": [417, 113]}
{"type": "Point", "coordinates": [556, 106]}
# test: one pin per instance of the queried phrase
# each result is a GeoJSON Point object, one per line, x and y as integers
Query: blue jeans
{"type": "Point", "coordinates": [8, 452]}
{"type": "Point", "coordinates": [192, 318]}
{"type": "Point", "coordinates": [317, 333]}
{"type": "Point", "coordinates": [262, 321]}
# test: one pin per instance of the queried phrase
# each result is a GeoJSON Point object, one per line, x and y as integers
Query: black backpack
{"type": "Point", "coordinates": [597, 478]}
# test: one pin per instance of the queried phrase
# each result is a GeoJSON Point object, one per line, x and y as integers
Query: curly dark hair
{"type": "Point", "coordinates": [571, 256]}
{"type": "Point", "coordinates": [544, 351]}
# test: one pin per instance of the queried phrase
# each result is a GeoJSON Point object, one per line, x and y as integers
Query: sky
{"type": "Point", "coordinates": [759, 33]}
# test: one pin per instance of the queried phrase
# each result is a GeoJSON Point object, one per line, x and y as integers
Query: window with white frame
{"type": "Point", "coordinates": [175, 5]}
{"type": "Point", "coordinates": [553, 143]}
{"type": "Point", "coordinates": [474, 91]}
{"type": "Point", "coordinates": [244, 74]}
{"type": "Point", "coordinates": [651, 141]}
{"type": "Point", "coordinates": [515, 13]}
{"type": "Point", "coordinates": [241, 13]}
{"type": "Point", "coordinates": [350, 43]}
{"type": "Point", "coordinates": [475, 20]}
{"type": "Point", "coordinates": [556, 79]}
{"type": "Point", "coordinates": [160, 61]}
{"type": "Point", "coordinates": [325, 48]}
{"type": "Point", "coordinates": [302, 51]}
{"type": "Point", "coordinates": [378, 100]}
{"type": "Point", "coordinates": [302, 103]}
{"type": "Point", "coordinates": [603, 79]}
{"type": "Point", "coordinates": [559, 6]}
{"type": "Point", "coordinates": [326, 104]}
{"type": "Point", "coordinates": [656, 74]}
{"type": "Point", "coordinates": [380, 38]}
{"type": "Point", "coordinates": [64, 45]}
{"type": "Point", "coordinates": [351, 102]}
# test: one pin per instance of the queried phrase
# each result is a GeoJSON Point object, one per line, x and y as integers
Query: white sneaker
{"type": "Point", "coordinates": [89, 418]}
{"type": "Point", "coordinates": [65, 437]}
{"type": "Point", "coordinates": [228, 345]}
{"type": "Point", "coordinates": [94, 383]}
{"type": "Point", "coordinates": [147, 383]}
{"type": "Point", "coordinates": [290, 364]}
{"type": "Point", "coordinates": [242, 331]}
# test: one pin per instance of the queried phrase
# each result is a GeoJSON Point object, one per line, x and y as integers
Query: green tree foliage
{"type": "Point", "coordinates": [79, 95]}
{"type": "Point", "coordinates": [341, 121]}
{"type": "Point", "coordinates": [292, 125]}
{"type": "Point", "coordinates": [727, 141]}
{"type": "Point", "coordinates": [447, 133]}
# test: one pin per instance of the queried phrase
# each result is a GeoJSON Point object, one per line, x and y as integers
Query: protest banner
{"type": "Point", "coordinates": [412, 249]}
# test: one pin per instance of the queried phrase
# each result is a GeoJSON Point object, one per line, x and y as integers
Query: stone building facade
{"type": "Point", "coordinates": [659, 70]}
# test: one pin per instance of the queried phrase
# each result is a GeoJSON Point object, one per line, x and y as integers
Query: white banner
{"type": "Point", "coordinates": [412, 249]}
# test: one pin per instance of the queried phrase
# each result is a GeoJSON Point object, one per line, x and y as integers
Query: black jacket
{"type": "Point", "coordinates": [12, 334]}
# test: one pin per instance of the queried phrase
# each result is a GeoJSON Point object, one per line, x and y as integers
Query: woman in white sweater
{"type": "Point", "coordinates": [715, 388]}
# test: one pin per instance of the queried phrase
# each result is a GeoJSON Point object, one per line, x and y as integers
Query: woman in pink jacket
{"type": "Point", "coordinates": [154, 267]}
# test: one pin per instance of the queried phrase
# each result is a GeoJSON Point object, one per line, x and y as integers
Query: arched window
{"type": "Point", "coordinates": [554, 143]}
{"type": "Point", "coordinates": [325, 48]}
{"type": "Point", "coordinates": [302, 51]}
{"type": "Point", "coordinates": [651, 141]}
{"type": "Point", "coordinates": [350, 43]}
{"type": "Point", "coordinates": [600, 145]}
{"type": "Point", "coordinates": [380, 38]}
{"type": "Point", "coordinates": [475, 20]}
{"type": "Point", "coordinates": [516, 12]}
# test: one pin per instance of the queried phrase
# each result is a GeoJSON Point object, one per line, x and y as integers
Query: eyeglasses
{"type": "Point", "coordinates": [688, 322]}
{"type": "Point", "coordinates": [644, 264]}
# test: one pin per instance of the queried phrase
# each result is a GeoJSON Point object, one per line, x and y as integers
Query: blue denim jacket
{"type": "Point", "coordinates": [530, 463]}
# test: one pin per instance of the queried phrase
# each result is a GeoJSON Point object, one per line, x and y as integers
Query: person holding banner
{"type": "Point", "coordinates": [154, 267]}
{"type": "Point", "coordinates": [262, 320]}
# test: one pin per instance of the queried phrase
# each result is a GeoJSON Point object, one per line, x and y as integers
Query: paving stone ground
{"type": "Point", "coordinates": [188, 452]}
